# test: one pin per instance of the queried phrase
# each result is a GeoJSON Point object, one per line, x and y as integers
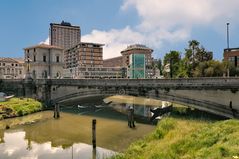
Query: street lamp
{"type": "Point", "coordinates": [228, 35]}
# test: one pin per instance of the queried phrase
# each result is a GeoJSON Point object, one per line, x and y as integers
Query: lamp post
{"type": "Point", "coordinates": [228, 35]}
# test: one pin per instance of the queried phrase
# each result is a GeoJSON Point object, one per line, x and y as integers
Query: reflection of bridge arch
{"type": "Point", "coordinates": [208, 106]}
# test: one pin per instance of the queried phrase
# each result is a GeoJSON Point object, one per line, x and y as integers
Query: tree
{"type": "Point", "coordinates": [157, 63]}
{"type": "Point", "coordinates": [210, 68]}
{"type": "Point", "coordinates": [194, 55]}
{"type": "Point", "coordinates": [173, 59]}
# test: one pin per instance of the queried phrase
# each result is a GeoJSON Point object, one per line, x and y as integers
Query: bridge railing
{"type": "Point", "coordinates": [185, 82]}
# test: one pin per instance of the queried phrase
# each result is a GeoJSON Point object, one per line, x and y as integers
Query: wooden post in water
{"type": "Point", "coordinates": [233, 110]}
{"type": "Point", "coordinates": [93, 153]}
{"type": "Point", "coordinates": [57, 111]}
{"type": "Point", "coordinates": [94, 133]}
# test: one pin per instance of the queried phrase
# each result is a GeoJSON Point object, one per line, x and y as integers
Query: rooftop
{"type": "Point", "coordinates": [86, 43]}
{"type": "Point", "coordinates": [44, 46]}
{"type": "Point", "coordinates": [118, 57]}
{"type": "Point", "coordinates": [11, 60]}
{"type": "Point", "coordinates": [63, 23]}
{"type": "Point", "coordinates": [231, 49]}
{"type": "Point", "coordinates": [137, 46]}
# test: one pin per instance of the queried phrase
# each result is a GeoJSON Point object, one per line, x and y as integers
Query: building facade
{"type": "Point", "coordinates": [232, 55]}
{"type": "Point", "coordinates": [84, 55]}
{"type": "Point", "coordinates": [136, 67]}
{"type": "Point", "coordinates": [93, 72]}
{"type": "Point", "coordinates": [11, 68]}
{"type": "Point", "coordinates": [64, 35]}
{"type": "Point", "coordinates": [44, 61]}
{"type": "Point", "coordinates": [113, 62]}
{"type": "Point", "coordinates": [137, 49]}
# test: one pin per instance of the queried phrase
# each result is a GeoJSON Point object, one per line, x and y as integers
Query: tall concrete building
{"type": "Point", "coordinates": [64, 35]}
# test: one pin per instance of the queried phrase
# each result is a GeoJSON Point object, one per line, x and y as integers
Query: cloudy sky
{"type": "Point", "coordinates": [163, 25]}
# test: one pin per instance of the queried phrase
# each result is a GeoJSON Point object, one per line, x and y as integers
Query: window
{"type": "Point", "coordinates": [20, 72]}
{"type": "Point", "coordinates": [57, 59]}
{"type": "Point", "coordinates": [34, 58]}
{"type": "Point", "coordinates": [12, 64]}
{"type": "Point", "coordinates": [34, 50]}
{"type": "Point", "coordinates": [16, 64]}
{"type": "Point", "coordinates": [44, 58]}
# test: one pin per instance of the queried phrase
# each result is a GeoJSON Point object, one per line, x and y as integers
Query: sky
{"type": "Point", "coordinates": [162, 25]}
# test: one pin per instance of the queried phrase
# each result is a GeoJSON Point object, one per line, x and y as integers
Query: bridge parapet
{"type": "Point", "coordinates": [209, 83]}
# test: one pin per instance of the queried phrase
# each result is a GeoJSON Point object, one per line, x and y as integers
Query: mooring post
{"type": "Point", "coordinates": [230, 104]}
{"type": "Point", "coordinates": [94, 133]}
{"type": "Point", "coordinates": [233, 110]}
{"type": "Point", "coordinates": [57, 111]}
{"type": "Point", "coordinates": [93, 153]}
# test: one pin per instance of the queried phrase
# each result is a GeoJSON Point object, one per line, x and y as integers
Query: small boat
{"type": "Point", "coordinates": [159, 112]}
{"type": "Point", "coordinates": [8, 97]}
{"type": "Point", "coordinates": [99, 106]}
{"type": "Point", "coordinates": [80, 106]}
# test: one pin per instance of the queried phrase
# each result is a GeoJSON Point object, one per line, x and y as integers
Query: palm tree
{"type": "Point", "coordinates": [193, 44]}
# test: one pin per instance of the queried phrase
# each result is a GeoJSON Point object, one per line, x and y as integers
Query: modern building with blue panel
{"type": "Point", "coordinates": [136, 67]}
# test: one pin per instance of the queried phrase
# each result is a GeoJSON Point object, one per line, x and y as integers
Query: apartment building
{"type": "Point", "coordinates": [84, 55]}
{"type": "Point", "coordinates": [64, 35]}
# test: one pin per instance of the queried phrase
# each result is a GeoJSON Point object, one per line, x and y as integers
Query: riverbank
{"type": "Point", "coordinates": [187, 137]}
{"type": "Point", "coordinates": [16, 107]}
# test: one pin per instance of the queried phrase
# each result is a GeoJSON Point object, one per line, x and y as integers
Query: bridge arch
{"type": "Point", "coordinates": [215, 95]}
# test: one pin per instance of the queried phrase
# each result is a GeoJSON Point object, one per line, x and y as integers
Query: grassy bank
{"type": "Point", "coordinates": [187, 138]}
{"type": "Point", "coordinates": [18, 107]}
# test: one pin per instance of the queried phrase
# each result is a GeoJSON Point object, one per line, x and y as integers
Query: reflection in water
{"type": "Point", "coordinates": [141, 105]}
{"type": "Point", "coordinates": [42, 137]}
{"type": "Point", "coordinates": [59, 138]}
{"type": "Point", "coordinates": [16, 146]}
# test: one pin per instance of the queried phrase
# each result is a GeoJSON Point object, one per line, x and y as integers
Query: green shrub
{"type": "Point", "coordinates": [164, 126]}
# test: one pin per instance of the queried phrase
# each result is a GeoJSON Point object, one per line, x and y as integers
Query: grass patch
{"type": "Point", "coordinates": [187, 138]}
{"type": "Point", "coordinates": [19, 107]}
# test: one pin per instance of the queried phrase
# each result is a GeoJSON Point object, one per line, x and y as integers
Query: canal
{"type": "Point", "coordinates": [40, 136]}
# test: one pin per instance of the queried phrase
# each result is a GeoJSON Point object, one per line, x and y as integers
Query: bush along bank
{"type": "Point", "coordinates": [15, 107]}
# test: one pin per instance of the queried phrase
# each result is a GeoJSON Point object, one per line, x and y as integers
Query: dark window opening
{"type": "Point", "coordinates": [44, 58]}
{"type": "Point", "coordinates": [57, 59]}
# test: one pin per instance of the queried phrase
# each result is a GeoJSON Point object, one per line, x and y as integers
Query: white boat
{"type": "Point", "coordinates": [80, 106]}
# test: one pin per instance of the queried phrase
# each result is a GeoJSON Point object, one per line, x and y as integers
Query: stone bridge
{"type": "Point", "coordinates": [215, 95]}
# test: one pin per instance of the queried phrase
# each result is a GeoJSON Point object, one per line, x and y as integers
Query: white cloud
{"type": "Point", "coordinates": [114, 40]}
{"type": "Point", "coordinates": [164, 21]}
{"type": "Point", "coordinates": [171, 14]}
{"type": "Point", "coordinates": [47, 41]}
{"type": "Point", "coordinates": [117, 40]}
